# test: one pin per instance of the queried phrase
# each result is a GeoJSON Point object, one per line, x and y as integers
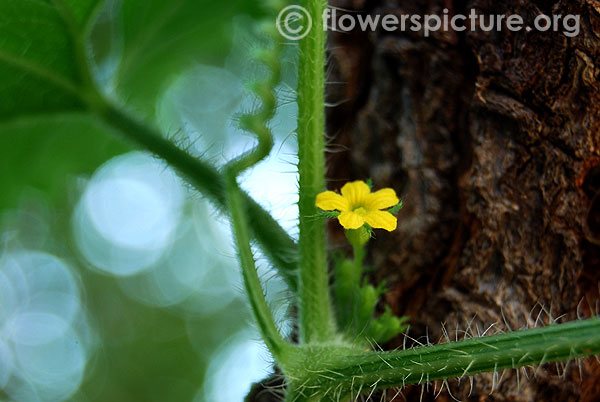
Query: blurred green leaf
{"type": "Point", "coordinates": [45, 134]}
{"type": "Point", "coordinates": [44, 72]}
{"type": "Point", "coordinates": [39, 65]}
{"type": "Point", "coordinates": [49, 134]}
{"type": "Point", "coordinates": [44, 152]}
{"type": "Point", "coordinates": [146, 354]}
{"type": "Point", "coordinates": [161, 38]}
{"type": "Point", "coordinates": [81, 11]}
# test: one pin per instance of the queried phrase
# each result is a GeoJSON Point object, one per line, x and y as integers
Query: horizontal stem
{"type": "Point", "coordinates": [357, 372]}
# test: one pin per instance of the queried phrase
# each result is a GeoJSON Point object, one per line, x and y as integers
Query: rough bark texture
{"type": "Point", "coordinates": [493, 140]}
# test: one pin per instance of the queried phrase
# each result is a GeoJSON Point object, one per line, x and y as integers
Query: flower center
{"type": "Point", "coordinates": [360, 211]}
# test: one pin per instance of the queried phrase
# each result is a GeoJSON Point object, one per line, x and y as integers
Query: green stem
{"type": "Point", "coordinates": [273, 239]}
{"type": "Point", "coordinates": [225, 193]}
{"type": "Point", "coordinates": [355, 373]}
{"type": "Point", "coordinates": [254, 290]}
{"type": "Point", "coordinates": [355, 296]}
{"type": "Point", "coordinates": [316, 323]}
{"type": "Point", "coordinates": [359, 257]}
{"type": "Point", "coordinates": [356, 239]}
{"type": "Point", "coordinates": [256, 123]}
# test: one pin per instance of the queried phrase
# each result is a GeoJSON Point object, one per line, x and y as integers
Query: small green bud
{"type": "Point", "coordinates": [344, 280]}
{"type": "Point", "coordinates": [386, 326]}
{"type": "Point", "coordinates": [368, 301]}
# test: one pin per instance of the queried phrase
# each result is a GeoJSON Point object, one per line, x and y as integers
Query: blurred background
{"type": "Point", "coordinates": [118, 282]}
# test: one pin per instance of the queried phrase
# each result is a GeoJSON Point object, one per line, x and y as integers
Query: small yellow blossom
{"type": "Point", "coordinates": [359, 206]}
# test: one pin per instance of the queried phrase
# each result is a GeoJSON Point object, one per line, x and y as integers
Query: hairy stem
{"type": "Point", "coordinates": [352, 373]}
{"type": "Point", "coordinates": [273, 239]}
{"type": "Point", "coordinates": [316, 323]}
{"type": "Point", "coordinates": [252, 284]}
{"type": "Point", "coordinates": [256, 123]}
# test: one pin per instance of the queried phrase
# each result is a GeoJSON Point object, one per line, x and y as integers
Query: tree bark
{"type": "Point", "coordinates": [493, 141]}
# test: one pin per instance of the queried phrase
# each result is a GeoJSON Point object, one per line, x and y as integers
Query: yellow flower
{"type": "Point", "coordinates": [359, 206]}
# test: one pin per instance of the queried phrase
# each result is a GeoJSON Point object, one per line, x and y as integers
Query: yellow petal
{"type": "Point", "coordinates": [381, 220]}
{"type": "Point", "coordinates": [329, 201]}
{"type": "Point", "coordinates": [350, 220]}
{"type": "Point", "coordinates": [356, 193]}
{"type": "Point", "coordinates": [382, 199]}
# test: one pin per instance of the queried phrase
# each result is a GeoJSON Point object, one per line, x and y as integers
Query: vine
{"type": "Point", "coordinates": [316, 317]}
{"type": "Point", "coordinates": [329, 363]}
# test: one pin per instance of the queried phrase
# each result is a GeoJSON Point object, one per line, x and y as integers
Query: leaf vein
{"type": "Point", "coordinates": [41, 72]}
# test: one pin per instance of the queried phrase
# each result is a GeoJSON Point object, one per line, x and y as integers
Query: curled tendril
{"type": "Point", "coordinates": [257, 123]}
{"type": "Point", "coordinates": [265, 90]}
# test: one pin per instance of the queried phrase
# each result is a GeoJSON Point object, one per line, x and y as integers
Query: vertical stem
{"type": "Point", "coordinates": [355, 296]}
{"type": "Point", "coordinates": [256, 296]}
{"type": "Point", "coordinates": [316, 323]}
{"type": "Point", "coordinates": [359, 257]}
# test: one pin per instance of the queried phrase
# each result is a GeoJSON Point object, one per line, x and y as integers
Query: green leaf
{"type": "Point", "coordinates": [46, 152]}
{"type": "Point", "coordinates": [46, 80]}
{"type": "Point", "coordinates": [38, 65]}
{"type": "Point", "coordinates": [80, 11]}
{"type": "Point", "coordinates": [161, 38]}
{"type": "Point", "coordinates": [44, 72]}
{"type": "Point", "coordinates": [46, 136]}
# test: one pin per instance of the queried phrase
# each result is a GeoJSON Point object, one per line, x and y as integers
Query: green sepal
{"type": "Point", "coordinates": [396, 209]}
{"type": "Point", "coordinates": [328, 214]}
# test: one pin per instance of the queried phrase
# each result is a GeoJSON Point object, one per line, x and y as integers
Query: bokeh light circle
{"type": "Point", "coordinates": [126, 219]}
{"type": "Point", "coordinates": [237, 365]}
{"type": "Point", "coordinates": [42, 354]}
